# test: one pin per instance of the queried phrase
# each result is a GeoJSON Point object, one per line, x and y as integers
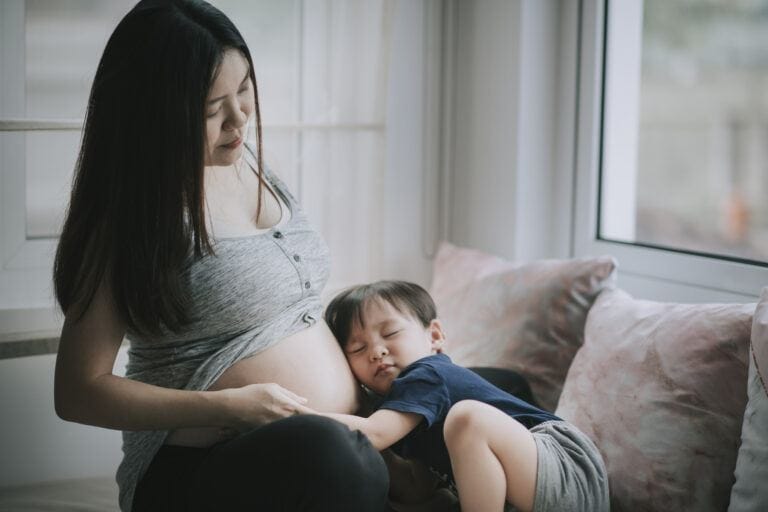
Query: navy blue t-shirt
{"type": "Point", "coordinates": [429, 387]}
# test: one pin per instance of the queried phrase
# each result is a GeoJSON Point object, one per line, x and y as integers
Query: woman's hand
{"type": "Point", "coordinates": [258, 404]}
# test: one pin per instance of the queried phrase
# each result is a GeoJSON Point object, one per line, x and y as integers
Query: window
{"type": "Point", "coordinates": [672, 163]}
{"type": "Point", "coordinates": [324, 81]}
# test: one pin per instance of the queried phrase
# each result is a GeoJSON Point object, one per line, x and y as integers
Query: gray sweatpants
{"type": "Point", "coordinates": [571, 474]}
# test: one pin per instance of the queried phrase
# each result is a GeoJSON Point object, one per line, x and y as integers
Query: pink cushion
{"type": "Point", "coordinates": [525, 317]}
{"type": "Point", "coordinates": [661, 389]}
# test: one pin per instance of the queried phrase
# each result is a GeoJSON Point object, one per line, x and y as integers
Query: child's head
{"type": "Point", "coordinates": [383, 327]}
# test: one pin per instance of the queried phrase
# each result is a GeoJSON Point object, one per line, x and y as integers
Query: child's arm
{"type": "Point", "coordinates": [383, 428]}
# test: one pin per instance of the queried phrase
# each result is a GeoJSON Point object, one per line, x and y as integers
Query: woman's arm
{"type": "Point", "coordinates": [383, 428]}
{"type": "Point", "coordinates": [86, 390]}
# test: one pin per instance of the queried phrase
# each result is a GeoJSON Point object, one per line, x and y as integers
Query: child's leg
{"type": "Point", "coordinates": [494, 458]}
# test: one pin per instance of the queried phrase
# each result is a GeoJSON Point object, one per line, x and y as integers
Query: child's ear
{"type": "Point", "coordinates": [437, 335]}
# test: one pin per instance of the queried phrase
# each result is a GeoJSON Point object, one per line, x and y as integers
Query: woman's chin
{"type": "Point", "coordinates": [223, 156]}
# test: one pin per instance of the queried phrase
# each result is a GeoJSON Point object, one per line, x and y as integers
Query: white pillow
{"type": "Point", "coordinates": [750, 492]}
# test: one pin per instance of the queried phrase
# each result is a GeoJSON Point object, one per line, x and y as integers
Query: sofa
{"type": "Point", "coordinates": [673, 395]}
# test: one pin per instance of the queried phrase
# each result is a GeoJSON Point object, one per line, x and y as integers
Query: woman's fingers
{"type": "Point", "coordinates": [303, 409]}
{"type": "Point", "coordinates": [294, 407]}
{"type": "Point", "coordinates": [290, 403]}
{"type": "Point", "coordinates": [291, 397]}
{"type": "Point", "coordinates": [270, 402]}
{"type": "Point", "coordinates": [294, 396]}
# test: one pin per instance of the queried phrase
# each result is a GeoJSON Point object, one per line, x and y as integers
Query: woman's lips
{"type": "Point", "coordinates": [234, 144]}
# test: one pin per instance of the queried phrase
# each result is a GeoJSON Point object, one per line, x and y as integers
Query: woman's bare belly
{"type": "Point", "coordinates": [309, 363]}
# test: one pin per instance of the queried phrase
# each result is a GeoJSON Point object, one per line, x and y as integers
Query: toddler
{"type": "Point", "coordinates": [496, 448]}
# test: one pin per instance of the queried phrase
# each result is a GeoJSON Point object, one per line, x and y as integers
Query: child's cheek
{"type": "Point", "coordinates": [358, 372]}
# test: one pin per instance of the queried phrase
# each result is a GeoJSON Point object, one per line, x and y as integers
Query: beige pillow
{"type": "Point", "coordinates": [750, 492]}
{"type": "Point", "coordinates": [524, 317]}
{"type": "Point", "coordinates": [661, 389]}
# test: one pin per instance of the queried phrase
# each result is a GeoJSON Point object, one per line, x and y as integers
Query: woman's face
{"type": "Point", "coordinates": [229, 106]}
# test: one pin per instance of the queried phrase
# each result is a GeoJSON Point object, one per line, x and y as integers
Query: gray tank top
{"type": "Point", "coordinates": [255, 291]}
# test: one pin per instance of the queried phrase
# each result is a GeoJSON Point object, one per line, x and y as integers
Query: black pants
{"type": "Point", "coordinates": [301, 463]}
{"type": "Point", "coordinates": [298, 464]}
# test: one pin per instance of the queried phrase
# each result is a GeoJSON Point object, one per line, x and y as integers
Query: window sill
{"type": "Point", "coordinates": [29, 331]}
{"type": "Point", "coordinates": [28, 344]}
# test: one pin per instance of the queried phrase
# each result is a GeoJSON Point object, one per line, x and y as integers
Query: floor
{"type": "Point", "coordinates": [82, 495]}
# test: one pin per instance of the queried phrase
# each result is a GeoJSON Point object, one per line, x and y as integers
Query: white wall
{"type": "Point", "coordinates": [407, 222]}
{"type": "Point", "coordinates": [505, 129]}
{"type": "Point", "coordinates": [486, 106]}
{"type": "Point", "coordinates": [35, 444]}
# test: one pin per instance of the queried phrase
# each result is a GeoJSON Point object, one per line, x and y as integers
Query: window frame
{"type": "Point", "coordinates": [671, 274]}
{"type": "Point", "coordinates": [27, 304]}
{"type": "Point", "coordinates": [24, 261]}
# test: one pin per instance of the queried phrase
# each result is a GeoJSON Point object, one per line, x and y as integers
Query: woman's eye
{"type": "Point", "coordinates": [213, 114]}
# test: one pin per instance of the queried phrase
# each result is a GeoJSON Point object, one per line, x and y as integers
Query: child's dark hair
{"type": "Point", "coordinates": [349, 305]}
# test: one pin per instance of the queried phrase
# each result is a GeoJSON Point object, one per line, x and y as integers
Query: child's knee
{"type": "Point", "coordinates": [463, 418]}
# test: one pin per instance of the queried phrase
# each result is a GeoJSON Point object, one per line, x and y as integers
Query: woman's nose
{"type": "Point", "coordinates": [236, 119]}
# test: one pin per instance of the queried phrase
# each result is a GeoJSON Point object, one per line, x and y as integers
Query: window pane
{"type": "Point", "coordinates": [319, 63]}
{"type": "Point", "coordinates": [64, 40]}
{"type": "Point", "coordinates": [50, 160]}
{"type": "Point", "coordinates": [271, 31]}
{"type": "Point", "coordinates": [695, 175]}
{"type": "Point", "coordinates": [347, 166]}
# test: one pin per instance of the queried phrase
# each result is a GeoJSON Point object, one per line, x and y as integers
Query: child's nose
{"type": "Point", "coordinates": [379, 351]}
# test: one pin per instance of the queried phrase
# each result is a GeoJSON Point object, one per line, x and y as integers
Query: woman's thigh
{"type": "Point", "coordinates": [302, 463]}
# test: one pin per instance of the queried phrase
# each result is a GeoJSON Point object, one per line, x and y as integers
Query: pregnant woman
{"type": "Point", "coordinates": [178, 237]}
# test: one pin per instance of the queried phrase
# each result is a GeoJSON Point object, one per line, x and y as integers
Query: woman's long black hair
{"type": "Point", "coordinates": [137, 204]}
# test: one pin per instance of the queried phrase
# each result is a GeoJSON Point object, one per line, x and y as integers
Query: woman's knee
{"type": "Point", "coordinates": [345, 453]}
{"type": "Point", "coordinates": [332, 467]}
{"type": "Point", "coordinates": [348, 466]}
{"type": "Point", "coordinates": [321, 437]}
